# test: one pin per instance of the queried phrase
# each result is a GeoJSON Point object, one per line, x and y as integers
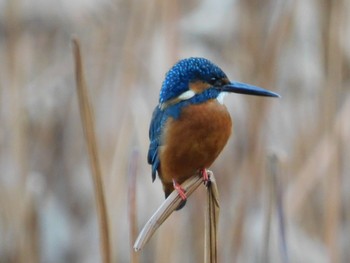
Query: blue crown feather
{"type": "Point", "coordinates": [177, 79]}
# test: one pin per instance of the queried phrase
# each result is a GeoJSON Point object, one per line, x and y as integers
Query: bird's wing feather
{"type": "Point", "coordinates": [155, 133]}
{"type": "Point", "coordinates": [159, 119]}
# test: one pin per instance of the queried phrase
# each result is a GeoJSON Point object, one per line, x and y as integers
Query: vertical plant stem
{"type": "Point", "coordinates": [275, 198]}
{"type": "Point", "coordinates": [332, 90]}
{"type": "Point", "coordinates": [132, 174]}
{"type": "Point", "coordinates": [86, 115]}
{"type": "Point", "coordinates": [278, 187]}
{"type": "Point", "coordinates": [211, 222]}
{"type": "Point", "coordinates": [267, 227]}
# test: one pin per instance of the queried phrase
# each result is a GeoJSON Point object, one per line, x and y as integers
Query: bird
{"type": "Point", "coordinates": [191, 125]}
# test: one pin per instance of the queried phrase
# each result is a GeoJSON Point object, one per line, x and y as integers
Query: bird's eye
{"type": "Point", "coordinates": [215, 81]}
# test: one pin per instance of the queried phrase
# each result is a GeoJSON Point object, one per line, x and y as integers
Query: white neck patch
{"type": "Point", "coordinates": [186, 95]}
{"type": "Point", "coordinates": [221, 97]}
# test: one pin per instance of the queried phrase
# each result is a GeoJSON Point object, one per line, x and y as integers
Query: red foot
{"type": "Point", "coordinates": [205, 176]}
{"type": "Point", "coordinates": [179, 190]}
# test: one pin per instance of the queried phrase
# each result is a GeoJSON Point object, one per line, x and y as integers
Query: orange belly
{"type": "Point", "coordinates": [193, 141]}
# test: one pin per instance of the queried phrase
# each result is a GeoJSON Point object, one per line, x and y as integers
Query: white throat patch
{"type": "Point", "coordinates": [221, 97]}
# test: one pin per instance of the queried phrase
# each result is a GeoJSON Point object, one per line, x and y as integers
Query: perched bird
{"type": "Point", "coordinates": [190, 126]}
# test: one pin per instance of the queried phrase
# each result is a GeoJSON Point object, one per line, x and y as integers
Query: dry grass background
{"type": "Point", "coordinates": [299, 48]}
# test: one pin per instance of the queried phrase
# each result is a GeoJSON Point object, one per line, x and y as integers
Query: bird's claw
{"type": "Point", "coordinates": [205, 176]}
{"type": "Point", "coordinates": [180, 190]}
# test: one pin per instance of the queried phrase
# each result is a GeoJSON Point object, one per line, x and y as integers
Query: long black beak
{"type": "Point", "coordinates": [244, 88]}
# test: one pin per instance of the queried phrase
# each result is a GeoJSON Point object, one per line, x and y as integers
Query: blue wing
{"type": "Point", "coordinates": [155, 133]}
{"type": "Point", "coordinates": [159, 119]}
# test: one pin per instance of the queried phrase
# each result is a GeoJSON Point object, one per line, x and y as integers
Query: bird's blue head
{"type": "Point", "coordinates": [186, 71]}
{"type": "Point", "coordinates": [194, 77]}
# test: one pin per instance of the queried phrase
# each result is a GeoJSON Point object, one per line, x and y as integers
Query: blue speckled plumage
{"type": "Point", "coordinates": [185, 71]}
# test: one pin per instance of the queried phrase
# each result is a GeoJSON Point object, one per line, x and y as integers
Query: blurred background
{"type": "Point", "coordinates": [299, 49]}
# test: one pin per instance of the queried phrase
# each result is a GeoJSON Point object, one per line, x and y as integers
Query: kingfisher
{"type": "Point", "coordinates": [191, 125]}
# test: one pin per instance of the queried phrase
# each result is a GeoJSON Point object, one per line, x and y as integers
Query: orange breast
{"type": "Point", "coordinates": [194, 140]}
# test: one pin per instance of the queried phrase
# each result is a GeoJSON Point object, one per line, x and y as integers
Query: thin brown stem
{"type": "Point", "coordinates": [86, 115]}
{"type": "Point", "coordinates": [211, 222]}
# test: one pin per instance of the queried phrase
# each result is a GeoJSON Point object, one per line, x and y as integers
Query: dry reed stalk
{"type": "Point", "coordinates": [172, 202]}
{"type": "Point", "coordinates": [275, 200]}
{"type": "Point", "coordinates": [26, 245]}
{"type": "Point", "coordinates": [267, 228]}
{"type": "Point", "coordinates": [335, 55]}
{"type": "Point", "coordinates": [132, 174]}
{"type": "Point", "coordinates": [238, 225]}
{"type": "Point", "coordinates": [211, 222]}
{"type": "Point", "coordinates": [86, 114]}
{"type": "Point", "coordinates": [165, 210]}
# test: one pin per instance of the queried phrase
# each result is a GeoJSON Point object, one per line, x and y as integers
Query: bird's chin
{"type": "Point", "coordinates": [221, 97]}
